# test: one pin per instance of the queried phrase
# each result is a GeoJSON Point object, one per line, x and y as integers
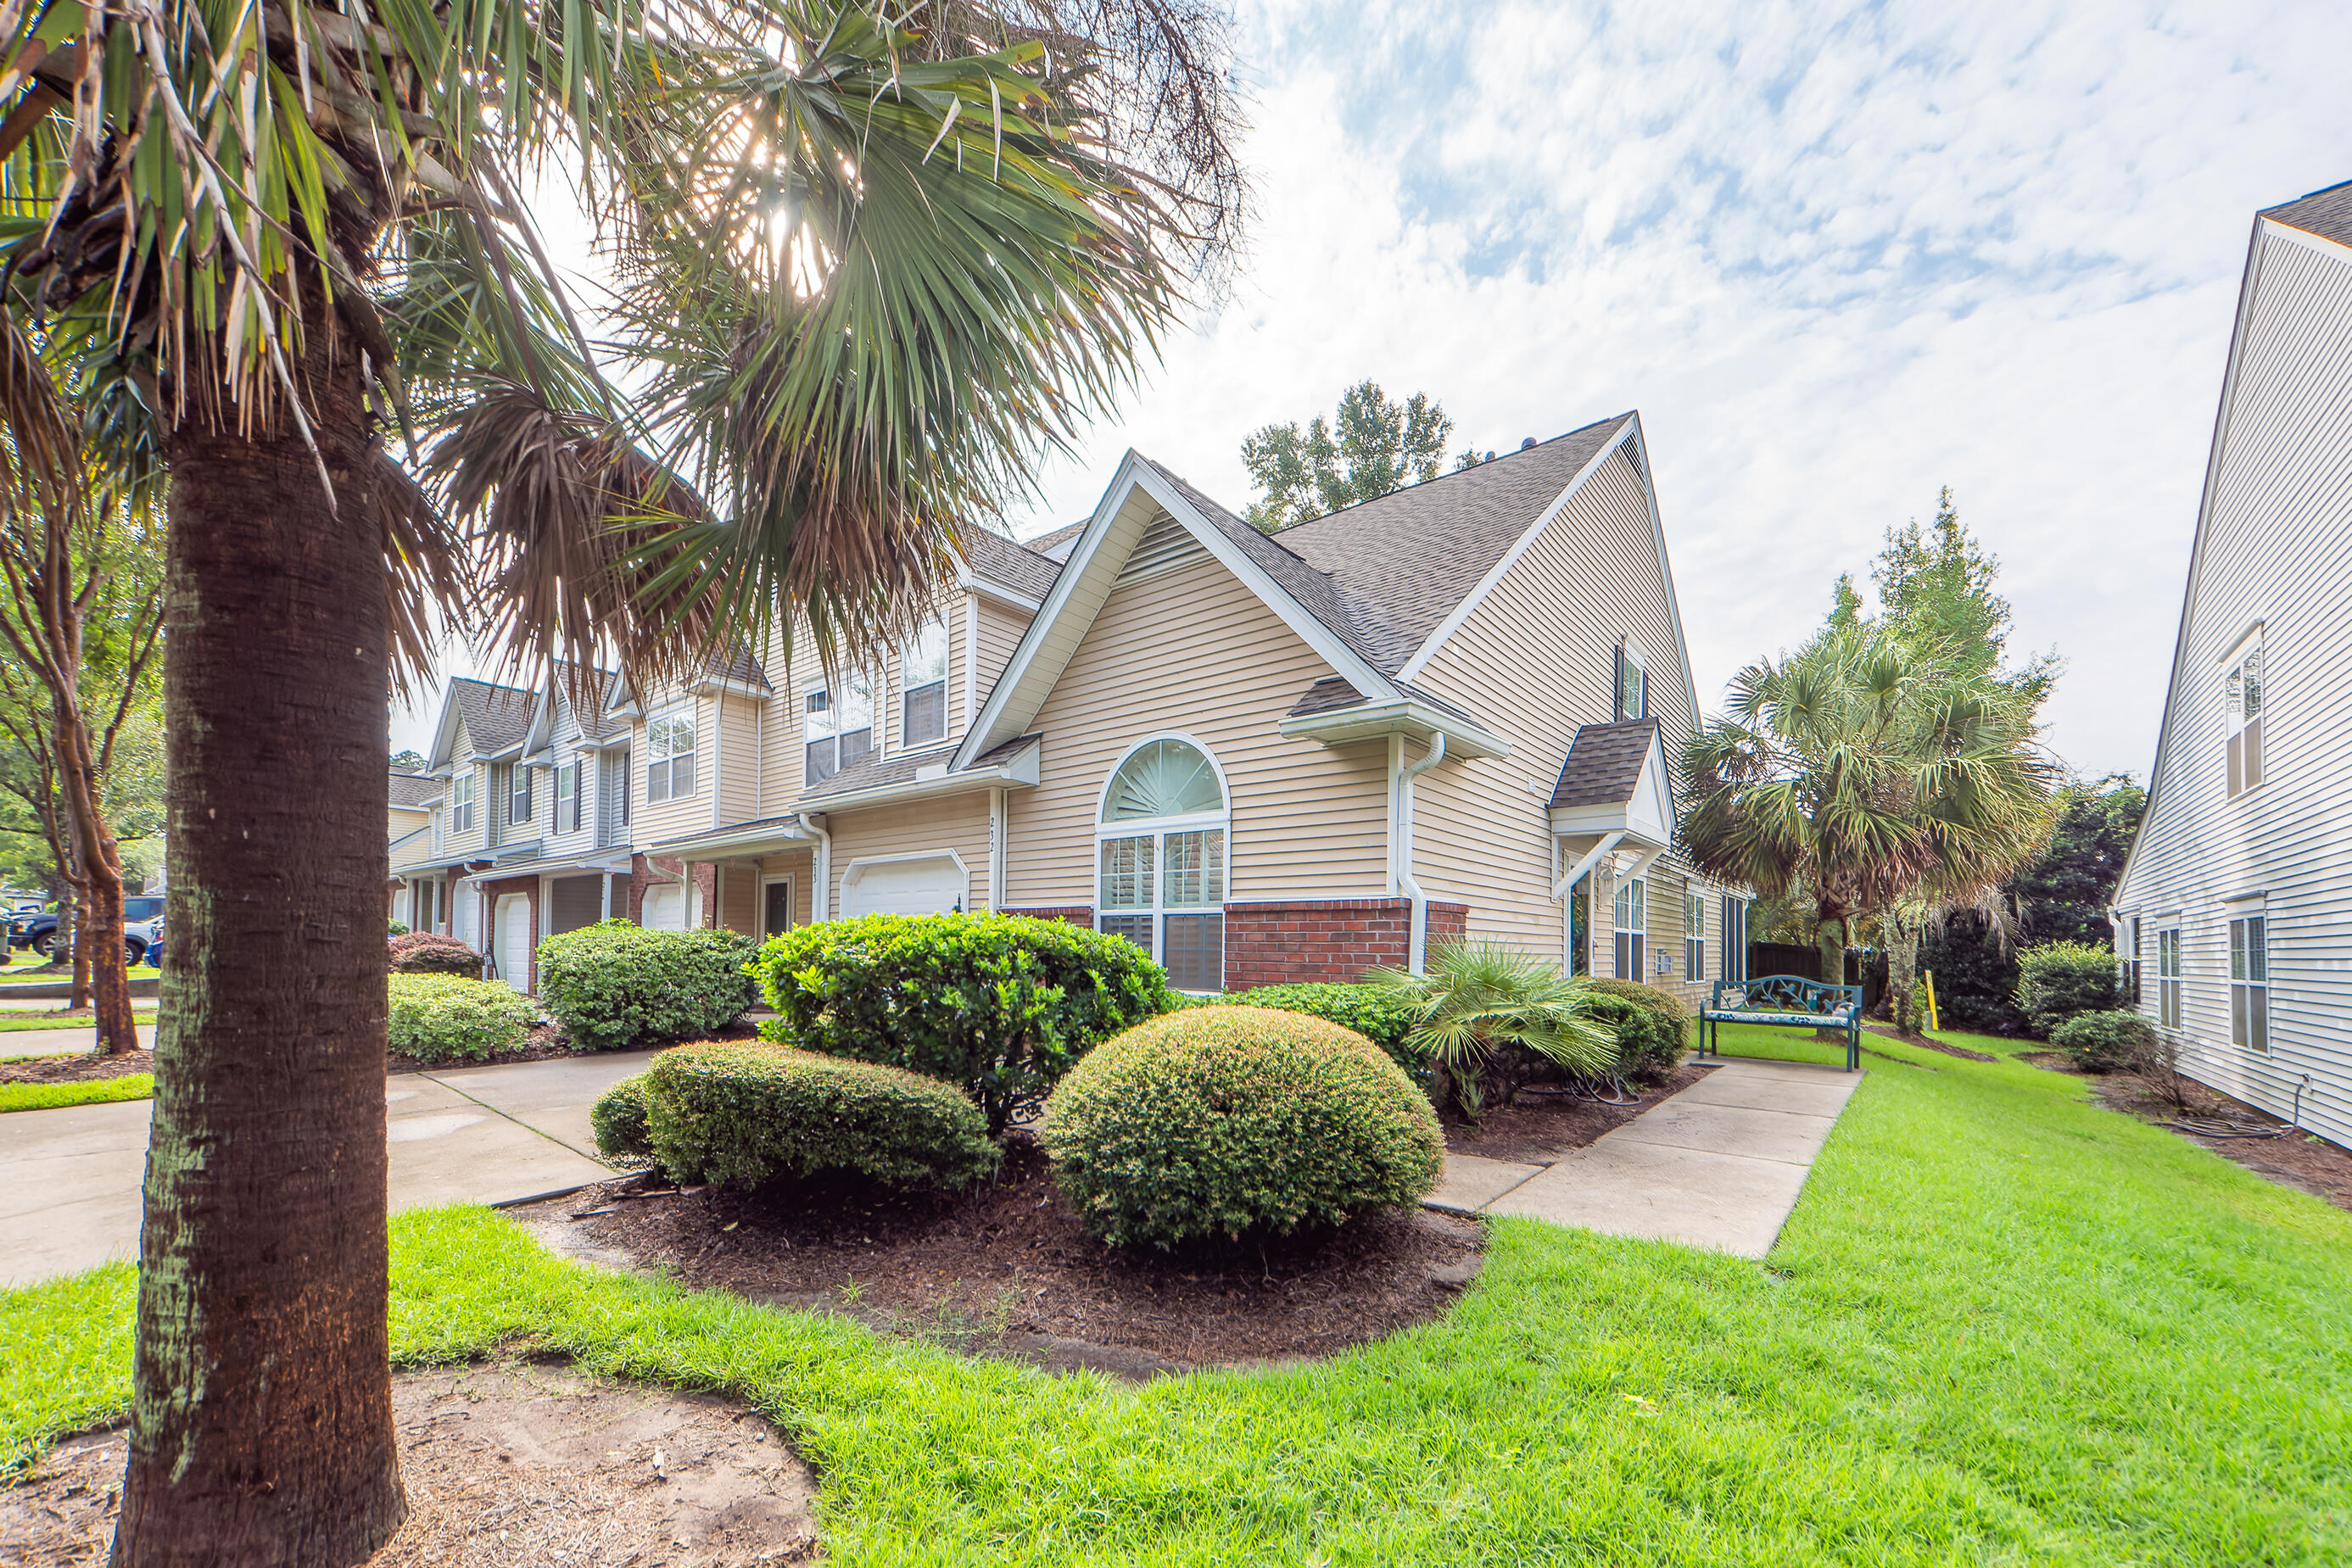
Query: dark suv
{"type": "Point", "coordinates": [37, 929]}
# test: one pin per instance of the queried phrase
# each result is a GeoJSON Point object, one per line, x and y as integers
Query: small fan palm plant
{"type": "Point", "coordinates": [1481, 1005]}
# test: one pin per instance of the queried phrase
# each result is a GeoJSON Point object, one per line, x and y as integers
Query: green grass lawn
{"type": "Point", "coordinates": [91, 1092]}
{"type": "Point", "coordinates": [16, 1022]}
{"type": "Point", "coordinates": [2004, 1326]}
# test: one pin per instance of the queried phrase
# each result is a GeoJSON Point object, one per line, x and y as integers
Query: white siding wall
{"type": "Point", "coordinates": [2275, 547]}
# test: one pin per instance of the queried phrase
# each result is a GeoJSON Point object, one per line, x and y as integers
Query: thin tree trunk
{"type": "Point", "coordinates": [261, 1419]}
{"type": "Point", "coordinates": [1830, 935]}
{"type": "Point", "coordinates": [1902, 973]}
{"type": "Point", "coordinates": [99, 959]}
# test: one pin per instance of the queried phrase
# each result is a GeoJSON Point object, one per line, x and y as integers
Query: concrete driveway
{"type": "Point", "coordinates": [69, 1178]}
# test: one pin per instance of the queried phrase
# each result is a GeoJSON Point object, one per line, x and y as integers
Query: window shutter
{"type": "Point", "coordinates": [1617, 692]}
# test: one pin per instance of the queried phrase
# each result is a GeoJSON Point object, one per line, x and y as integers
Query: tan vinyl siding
{"type": "Point", "coordinates": [2275, 547]}
{"type": "Point", "coordinates": [957, 822]}
{"type": "Point", "coordinates": [1001, 627]}
{"type": "Point", "coordinates": [802, 868]}
{"type": "Point", "coordinates": [1536, 658]}
{"type": "Point", "coordinates": [739, 898]}
{"type": "Point", "coordinates": [399, 821]}
{"type": "Point", "coordinates": [651, 822]}
{"type": "Point", "coordinates": [454, 844]}
{"type": "Point", "coordinates": [1194, 651]}
{"type": "Point", "coordinates": [735, 749]}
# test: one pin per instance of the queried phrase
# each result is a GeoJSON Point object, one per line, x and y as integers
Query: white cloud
{"type": "Point", "coordinates": [1837, 258]}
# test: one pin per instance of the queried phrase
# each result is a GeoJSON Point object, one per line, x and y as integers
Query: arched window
{"type": "Point", "coordinates": [1161, 859]}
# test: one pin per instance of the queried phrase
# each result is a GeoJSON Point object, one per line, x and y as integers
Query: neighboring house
{"type": "Point", "coordinates": [1446, 712]}
{"type": "Point", "coordinates": [409, 823]}
{"type": "Point", "coordinates": [2229, 911]}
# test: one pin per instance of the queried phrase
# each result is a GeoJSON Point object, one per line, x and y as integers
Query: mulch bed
{"type": "Point", "coordinates": [1541, 1127]}
{"type": "Point", "coordinates": [510, 1466]}
{"type": "Point", "coordinates": [1004, 1269]}
{"type": "Point", "coordinates": [82, 1067]}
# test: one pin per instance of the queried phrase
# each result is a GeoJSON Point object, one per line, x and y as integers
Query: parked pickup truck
{"type": "Point", "coordinates": [37, 929]}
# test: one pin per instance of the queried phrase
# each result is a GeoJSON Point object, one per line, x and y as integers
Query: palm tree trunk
{"type": "Point", "coordinates": [261, 1420]}
{"type": "Point", "coordinates": [1902, 973]}
{"type": "Point", "coordinates": [1829, 933]}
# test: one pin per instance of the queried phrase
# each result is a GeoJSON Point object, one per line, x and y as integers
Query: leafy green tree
{"type": "Point", "coordinates": [863, 273]}
{"type": "Point", "coordinates": [1863, 771]}
{"type": "Point", "coordinates": [1936, 590]}
{"type": "Point", "coordinates": [1374, 448]}
{"type": "Point", "coordinates": [409, 761]}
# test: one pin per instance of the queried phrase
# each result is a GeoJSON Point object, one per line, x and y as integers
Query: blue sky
{"type": "Point", "coordinates": [1838, 255]}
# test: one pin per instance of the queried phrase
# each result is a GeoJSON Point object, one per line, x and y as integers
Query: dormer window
{"type": "Point", "coordinates": [923, 687]}
{"type": "Point", "coordinates": [1633, 682]}
{"type": "Point", "coordinates": [2243, 698]}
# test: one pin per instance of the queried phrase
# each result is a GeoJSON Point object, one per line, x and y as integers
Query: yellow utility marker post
{"type": "Point", "coordinates": [1929, 976]}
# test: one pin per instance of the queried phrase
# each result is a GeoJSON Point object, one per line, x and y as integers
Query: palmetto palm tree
{"type": "Point", "coordinates": [1479, 1001]}
{"type": "Point", "coordinates": [1860, 772]}
{"type": "Point", "coordinates": [864, 265]}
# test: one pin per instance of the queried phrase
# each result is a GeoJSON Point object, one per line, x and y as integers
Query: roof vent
{"type": "Point", "coordinates": [1530, 440]}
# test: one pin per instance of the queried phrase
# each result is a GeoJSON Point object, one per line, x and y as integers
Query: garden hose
{"type": "Point", "coordinates": [2239, 1127]}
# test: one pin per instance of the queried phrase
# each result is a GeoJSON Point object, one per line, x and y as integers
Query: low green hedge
{"type": "Point", "coordinates": [998, 1004]}
{"type": "Point", "coordinates": [1651, 1025]}
{"type": "Point", "coordinates": [618, 984]}
{"type": "Point", "coordinates": [2059, 979]}
{"type": "Point", "coordinates": [618, 1120]}
{"type": "Point", "coordinates": [745, 1111]}
{"type": "Point", "coordinates": [2112, 1040]}
{"type": "Point", "coordinates": [1373, 1011]}
{"type": "Point", "coordinates": [446, 1017]}
{"type": "Point", "coordinates": [1217, 1121]}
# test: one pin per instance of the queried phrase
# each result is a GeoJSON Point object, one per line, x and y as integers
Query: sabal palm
{"type": "Point", "coordinates": [860, 275]}
{"type": "Point", "coordinates": [1861, 771]}
{"type": "Point", "coordinates": [1477, 1000]}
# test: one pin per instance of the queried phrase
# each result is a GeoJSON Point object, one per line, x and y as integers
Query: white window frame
{"type": "Point", "coordinates": [1158, 829]}
{"type": "Point", "coordinates": [2168, 978]}
{"type": "Point", "coordinates": [1629, 901]}
{"type": "Point", "coordinates": [519, 792]}
{"type": "Point", "coordinates": [1694, 933]}
{"type": "Point", "coordinates": [2250, 981]}
{"type": "Point", "coordinates": [791, 903]}
{"type": "Point", "coordinates": [663, 755]}
{"type": "Point", "coordinates": [930, 647]}
{"type": "Point", "coordinates": [820, 727]}
{"type": "Point", "coordinates": [1632, 680]}
{"type": "Point", "coordinates": [461, 802]}
{"type": "Point", "coordinates": [567, 793]}
{"type": "Point", "coordinates": [2245, 694]}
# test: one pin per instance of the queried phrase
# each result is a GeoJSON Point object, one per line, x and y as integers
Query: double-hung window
{"type": "Point", "coordinates": [1694, 937]}
{"type": "Point", "coordinates": [2168, 976]}
{"type": "Point", "coordinates": [2244, 700]}
{"type": "Point", "coordinates": [923, 687]}
{"type": "Point", "coordinates": [461, 802]}
{"type": "Point", "coordinates": [519, 793]}
{"type": "Point", "coordinates": [1160, 860]}
{"type": "Point", "coordinates": [1632, 682]}
{"type": "Point", "coordinates": [669, 757]}
{"type": "Point", "coordinates": [1632, 919]}
{"type": "Point", "coordinates": [836, 727]}
{"type": "Point", "coordinates": [2250, 982]}
{"type": "Point", "coordinates": [567, 796]}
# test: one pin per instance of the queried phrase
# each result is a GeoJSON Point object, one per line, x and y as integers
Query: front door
{"type": "Point", "coordinates": [515, 940]}
{"type": "Point", "coordinates": [776, 908]}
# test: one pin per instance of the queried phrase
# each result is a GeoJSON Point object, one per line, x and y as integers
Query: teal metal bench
{"type": "Point", "coordinates": [1784, 1002]}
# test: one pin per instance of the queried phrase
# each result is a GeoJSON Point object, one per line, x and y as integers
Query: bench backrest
{"type": "Point", "coordinates": [1784, 994]}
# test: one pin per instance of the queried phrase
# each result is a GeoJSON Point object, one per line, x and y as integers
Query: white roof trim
{"type": "Point", "coordinates": [1647, 818]}
{"type": "Point", "coordinates": [1364, 721]}
{"type": "Point", "coordinates": [1495, 573]}
{"type": "Point", "coordinates": [971, 581]}
{"type": "Point", "coordinates": [1135, 474]}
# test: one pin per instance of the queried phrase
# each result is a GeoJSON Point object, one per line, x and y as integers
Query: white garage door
{"type": "Point", "coordinates": [515, 941]}
{"type": "Point", "coordinates": [665, 909]}
{"type": "Point", "coordinates": [933, 885]}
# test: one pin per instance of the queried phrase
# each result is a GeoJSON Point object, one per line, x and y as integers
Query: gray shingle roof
{"type": "Point", "coordinates": [1327, 696]}
{"type": "Point", "coordinates": [874, 772]}
{"type": "Point", "coordinates": [495, 716]}
{"type": "Point", "coordinates": [738, 665]}
{"type": "Point", "coordinates": [1604, 763]}
{"type": "Point", "coordinates": [412, 790]}
{"type": "Point", "coordinates": [593, 714]}
{"type": "Point", "coordinates": [1056, 543]}
{"type": "Point", "coordinates": [2327, 213]}
{"type": "Point", "coordinates": [1408, 560]}
{"type": "Point", "coordinates": [1012, 564]}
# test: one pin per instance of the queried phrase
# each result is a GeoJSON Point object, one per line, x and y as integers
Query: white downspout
{"type": "Point", "coordinates": [996, 856]}
{"type": "Point", "coordinates": [821, 897]}
{"type": "Point", "coordinates": [1417, 935]}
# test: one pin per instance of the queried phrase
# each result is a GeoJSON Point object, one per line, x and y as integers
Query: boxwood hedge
{"type": "Point", "coordinates": [1650, 1023]}
{"type": "Point", "coordinates": [1000, 1004]}
{"type": "Point", "coordinates": [618, 984]}
{"type": "Point", "coordinates": [448, 1017]}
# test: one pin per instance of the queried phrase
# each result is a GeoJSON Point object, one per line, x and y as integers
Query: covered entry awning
{"type": "Point", "coordinates": [1612, 796]}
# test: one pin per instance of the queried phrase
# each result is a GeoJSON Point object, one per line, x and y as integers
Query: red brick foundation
{"type": "Point", "coordinates": [1326, 938]}
{"type": "Point", "coordinates": [1076, 914]}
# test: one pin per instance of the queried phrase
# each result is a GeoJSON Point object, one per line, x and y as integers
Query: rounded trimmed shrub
{"type": "Point", "coordinates": [2059, 979]}
{"type": "Point", "coordinates": [616, 984]}
{"type": "Point", "coordinates": [745, 1111]}
{"type": "Point", "coordinates": [2113, 1040]}
{"type": "Point", "coordinates": [618, 1119]}
{"type": "Point", "coordinates": [1650, 1023]}
{"type": "Point", "coordinates": [1216, 1121]}
{"type": "Point", "coordinates": [433, 953]}
{"type": "Point", "coordinates": [446, 1017]}
{"type": "Point", "coordinates": [1375, 1012]}
{"type": "Point", "coordinates": [1000, 1004]}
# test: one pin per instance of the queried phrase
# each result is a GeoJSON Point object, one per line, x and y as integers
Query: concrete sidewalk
{"type": "Point", "coordinates": [1719, 1166]}
{"type": "Point", "coordinates": [69, 1040]}
{"type": "Point", "coordinates": [69, 1178]}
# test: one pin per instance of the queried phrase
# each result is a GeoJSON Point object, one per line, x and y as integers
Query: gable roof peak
{"type": "Point", "coordinates": [2326, 212]}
